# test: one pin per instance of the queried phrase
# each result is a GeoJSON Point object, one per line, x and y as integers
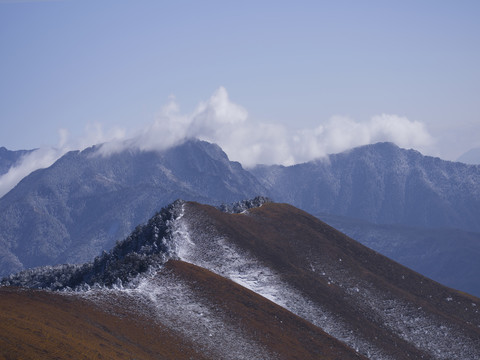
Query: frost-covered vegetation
{"type": "Point", "coordinates": [148, 246]}
{"type": "Point", "coordinates": [244, 205]}
{"type": "Point", "coordinates": [186, 232]}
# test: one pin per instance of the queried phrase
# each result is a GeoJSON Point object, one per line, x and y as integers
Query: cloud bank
{"type": "Point", "coordinates": [45, 156]}
{"type": "Point", "coordinates": [225, 123]}
{"type": "Point", "coordinates": [221, 121]}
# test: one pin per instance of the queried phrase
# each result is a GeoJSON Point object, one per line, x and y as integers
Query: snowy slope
{"type": "Point", "coordinates": [85, 202]}
{"type": "Point", "coordinates": [382, 184]}
{"type": "Point", "coordinates": [378, 308]}
{"type": "Point", "coordinates": [202, 244]}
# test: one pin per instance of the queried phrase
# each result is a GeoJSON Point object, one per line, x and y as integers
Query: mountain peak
{"type": "Point", "coordinates": [89, 202]}
{"type": "Point", "coordinates": [358, 297]}
{"type": "Point", "coordinates": [149, 245]}
{"type": "Point", "coordinates": [244, 205]}
{"type": "Point", "coordinates": [471, 157]}
{"type": "Point", "coordinates": [379, 147]}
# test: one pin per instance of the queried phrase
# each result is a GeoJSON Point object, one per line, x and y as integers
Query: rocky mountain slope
{"type": "Point", "coordinates": [382, 184]}
{"type": "Point", "coordinates": [418, 210]}
{"type": "Point", "coordinates": [85, 202]}
{"type": "Point", "coordinates": [269, 282]}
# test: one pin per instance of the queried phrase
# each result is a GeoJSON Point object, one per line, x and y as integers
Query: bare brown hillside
{"type": "Point", "coordinates": [355, 294]}
{"type": "Point", "coordinates": [272, 282]}
{"type": "Point", "coordinates": [37, 324]}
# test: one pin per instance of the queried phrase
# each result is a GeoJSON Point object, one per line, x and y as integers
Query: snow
{"type": "Point", "coordinates": [206, 248]}
{"type": "Point", "coordinates": [194, 240]}
{"type": "Point", "coordinates": [172, 302]}
{"type": "Point", "coordinates": [426, 331]}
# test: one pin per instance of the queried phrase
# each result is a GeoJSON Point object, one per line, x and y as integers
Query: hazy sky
{"type": "Point", "coordinates": [310, 76]}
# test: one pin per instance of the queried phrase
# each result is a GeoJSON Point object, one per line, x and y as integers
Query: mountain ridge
{"type": "Point", "coordinates": [377, 307]}
{"type": "Point", "coordinates": [82, 204]}
{"type": "Point", "coordinates": [383, 184]}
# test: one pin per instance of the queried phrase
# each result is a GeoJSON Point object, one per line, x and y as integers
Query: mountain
{"type": "Point", "coordinates": [420, 211]}
{"type": "Point", "coordinates": [472, 156]}
{"type": "Point", "coordinates": [200, 316]}
{"type": "Point", "coordinates": [382, 184]}
{"type": "Point", "coordinates": [9, 158]}
{"type": "Point", "coordinates": [85, 202]}
{"type": "Point", "coordinates": [271, 282]}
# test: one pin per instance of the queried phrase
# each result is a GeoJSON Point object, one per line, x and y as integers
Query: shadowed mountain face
{"type": "Point", "coordinates": [199, 273]}
{"type": "Point", "coordinates": [84, 202]}
{"type": "Point", "coordinates": [449, 256]}
{"type": "Point", "coordinates": [420, 211]}
{"type": "Point", "coordinates": [382, 184]}
{"type": "Point", "coordinates": [9, 158]}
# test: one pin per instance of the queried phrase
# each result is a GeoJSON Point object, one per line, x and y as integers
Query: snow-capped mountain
{"type": "Point", "coordinates": [271, 282]}
{"type": "Point", "coordinates": [418, 210]}
{"type": "Point", "coordinates": [382, 184]}
{"type": "Point", "coordinates": [85, 202]}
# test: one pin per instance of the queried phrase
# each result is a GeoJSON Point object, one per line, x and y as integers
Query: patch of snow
{"type": "Point", "coordinates": [426, 331]}
{"type": "Point", "coordinates": [204, 247]}
{"type": "Point", "coordinates": [173, 303]}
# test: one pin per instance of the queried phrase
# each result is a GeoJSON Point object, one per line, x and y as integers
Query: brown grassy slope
{"type": "Point", "coordinates": [283, 333]}
{"type": "Point", "coordinates": [292, 241]}
{"type": "Point", "coordinates": [37, 324]}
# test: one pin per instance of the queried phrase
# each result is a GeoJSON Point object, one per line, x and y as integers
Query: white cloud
{"type": "Point", "coordinates": [46, 156]}
{"type": "Point", "coordinates": [342, 133]}
{"type": "Point", "coordinates": [35, 160]}
{"type": "Point", "coordinates": [225, 123]}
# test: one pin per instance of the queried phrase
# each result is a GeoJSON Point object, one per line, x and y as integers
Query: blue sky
{"type": "Point", "coordinates": [77, 65]}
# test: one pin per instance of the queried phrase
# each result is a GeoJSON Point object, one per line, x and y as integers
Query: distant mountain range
{"type": "Point", "coordinates": [382, 184]}
{"type": "Point", "coordinates": [270, 282]}
{"type": "Point", "coordinates": [85, 202]}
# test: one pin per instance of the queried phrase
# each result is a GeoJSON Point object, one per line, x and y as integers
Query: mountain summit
{"type": "Point", "coordinates": [382, 184]}
{"type": "Point", "coordinates": [85, 202]}
{"type": "Point", "coordinates": [199, 272]}
{"type": "Point", "coordinates": [418, 210]}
